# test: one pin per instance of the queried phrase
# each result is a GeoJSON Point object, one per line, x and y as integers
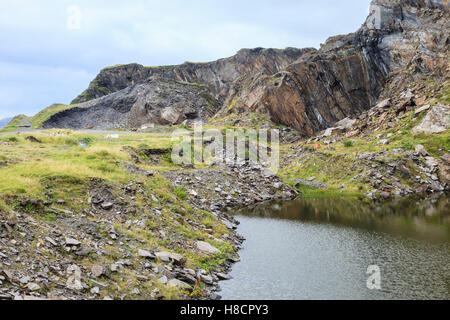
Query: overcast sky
{"type": "Point", "coordinates": [51, 50]}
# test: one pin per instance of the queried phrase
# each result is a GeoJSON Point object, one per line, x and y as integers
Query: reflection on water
{"type": "Point", "coordinates": [321, 249]}
{"type": "Point", "coordinates": [421, 219]}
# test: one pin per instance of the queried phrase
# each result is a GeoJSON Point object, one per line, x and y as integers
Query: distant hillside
{"type": "Point", "coordinates": [4, 122]}
{"type": "Point", "coordinates": [15, 123]}
{"type": "Point", "coordinates": [34, 122]}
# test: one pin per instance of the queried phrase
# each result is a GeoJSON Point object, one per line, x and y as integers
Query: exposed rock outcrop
{"type": "Point", "coordinates": [217, 75]}
{"type": "Point", "coordinates": [347, 75]}
{"type": "Point", "coordinates": [129, 96]}
{"type": "Point", "coordinates": [306, 89]}
{"type": "Point", "coordinates": [153, 101]}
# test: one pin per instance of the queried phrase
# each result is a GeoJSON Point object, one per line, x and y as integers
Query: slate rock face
{"type": "Point", "coordinates": [113, 79]}
{"type": "Point", "coordinates": [217, 75]}
{"type": "Point", "coordinates": [154, 101]}
{"type": "Point", "coordinates": [129, 96]}
{"type": "Point", "coordinates": [414, 32]}
{"type": "Point", "coordinates": [322, 89]}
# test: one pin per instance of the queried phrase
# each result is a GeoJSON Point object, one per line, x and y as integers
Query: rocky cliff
{"type": "Point", "coordinates": [217, 75]}
{"type": "Point", "coordinates": [306, 89]}
{"type": "Point", "coordinates": [129, 96]}
{"type": "Point", "coordinates": [400, 39]}
{"type": "Point", "coordinates": [151, 101]}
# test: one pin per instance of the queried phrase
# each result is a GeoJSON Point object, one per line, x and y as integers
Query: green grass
{"type": "Point", "coordinates": [115, 66]}
{"type": "Point", "coordinates": [181, 193]}
{"type": "Point", "coordinates": [50, 217]}
{"type": "Point", "coordinates": [61, 169]}
{"type": "Point", "coordinates": [348, 143]}
{"type": "Point", "coordinates": [12, 125]}
{"type": "Point", "coordinates": [445, 96]}
{"type": "Point", "coordinates": [310, 192]}
{"type": "Point", "coordinates": [38, 119]}
{"type": "Point", "coordinates": [435, 144]}
{"type": "Point", "coordinates": [31, 164]}
{"type": "Point", "coordinates": [167, 67]}
{"type": "Point", "coordinates": [334, 169]}
{"type": "Point", "coordinates": [12, 139]}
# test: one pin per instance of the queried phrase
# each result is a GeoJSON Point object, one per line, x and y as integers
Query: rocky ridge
{"type": "Point", "coordinates": [130, 96]}
{"type": "Point", "coordinates": [217, 75]}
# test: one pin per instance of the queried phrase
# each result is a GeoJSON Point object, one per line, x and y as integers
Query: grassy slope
{"type": "Point", "coordinates": [12, 125]}
{"type": "Point", "coordinates": [46, 113]}
{"type": "Point", "coordinates": [61, 165]}
{"type": "Point", "coordinates": [336, 164]}
{"type": "Point", "coordinates": [39, 118]}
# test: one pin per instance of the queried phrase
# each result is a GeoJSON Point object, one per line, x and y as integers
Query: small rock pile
{"type": "Point", "coordinates": [223, 186]}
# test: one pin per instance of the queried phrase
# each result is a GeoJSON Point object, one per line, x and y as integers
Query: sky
{"type": "Point", "coordinates": [51, 50]}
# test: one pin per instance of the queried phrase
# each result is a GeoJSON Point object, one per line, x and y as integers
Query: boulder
{"type": "Point", "coordinates": [383, 104]}
{"type": "Point", "coordinates": [384, 142]}
{"type": "Point", "coordinates": [33, 139]}
{"type": "Point", "coordinates": [163, 280]}
{"type": "Point", "coordinates": [352, 134]}
{"type": "Point", "coordinates": [346, 123]}
{"type": "Point", "coordinates": [72, 242]}
{"type": "Point", "coordinates": [421, 149]}
{"type": "Point", "coordinates": [145, 254]}
{"type": "Point", "coordinates": [333, 131]}
{"type": "Point", "coordinates": [436, 121]}
{"type": "Point", "coordinates": [97, 270]}
{"type": "Point", "coordinates": [403, 104]}
{"type": "Point", "coordinates": [422, 109]}
{"type": "Point", "coordinates": [175, 283]}
{"type": "Point", "coordinates": [205, 247]}
{"type": "Point", "coordinates": [223, 276]}
{"type": "Point", "coordinates": [170, 115]}
{"type": "Point", "coordinates": [420, 100]}
{"type": "Point", "coordinates": [74, 280]}
{"type": "Point", "coordinates": [169, 256]}
{"type": "Point", "coordinates": [33, 287]}
{"type": "Point", "coordinates": [107, 205]}
{"type": "Point", "coordinates": [431, 162]}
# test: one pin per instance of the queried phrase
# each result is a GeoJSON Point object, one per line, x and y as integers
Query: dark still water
{"type": "Point", "coordinates": [321, 249]}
